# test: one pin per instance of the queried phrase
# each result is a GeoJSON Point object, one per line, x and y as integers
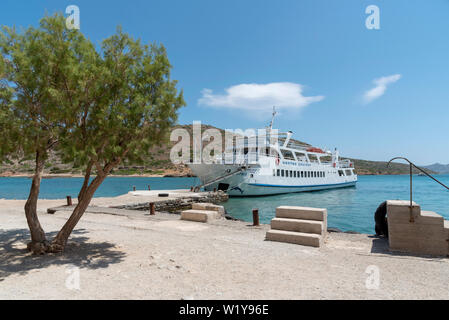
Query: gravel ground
{"type": "Point", "coordinates": [161, 257]}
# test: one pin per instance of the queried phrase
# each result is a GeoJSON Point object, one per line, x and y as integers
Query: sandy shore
{"type": "Point", "coordinates": [161, 257]}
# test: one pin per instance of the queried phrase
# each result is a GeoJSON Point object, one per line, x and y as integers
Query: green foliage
{"type": "Point", "coordinates": [33, 65]}
{"type": "Point", "coordinates": [57, 91]}
{"type": "Point", "coordinates": [7, 123]}
{"type": "Point", "coordinates": [130, 105]}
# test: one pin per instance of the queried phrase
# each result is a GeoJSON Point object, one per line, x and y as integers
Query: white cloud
{"type": "Point", "coordinates": [380, 88]}
{"type": "Point", "coordinates": [259, 97]}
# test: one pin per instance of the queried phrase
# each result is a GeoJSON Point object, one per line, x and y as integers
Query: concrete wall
{"type": "Point", "coordinates": [416, 231]}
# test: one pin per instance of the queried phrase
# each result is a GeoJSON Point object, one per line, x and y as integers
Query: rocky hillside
{"type": "Point", "coordinates": [365, 167]}
{"type": "Point", "coordinates": [158, 164]}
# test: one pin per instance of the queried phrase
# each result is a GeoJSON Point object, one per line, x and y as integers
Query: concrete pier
{"type": "Point", "coordinates": [173, 201]}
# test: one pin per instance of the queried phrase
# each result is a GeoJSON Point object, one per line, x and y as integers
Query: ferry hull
{"type": "Point", "coordinates": [249, 183]}
{"type": "Point", "coordinates": [254, 190]}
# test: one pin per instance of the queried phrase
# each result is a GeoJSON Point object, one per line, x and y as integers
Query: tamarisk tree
{"type": "Point", "coordinates": [95, 109]}
{"type": "Point", "coordinates": [31, 66]}
{"type": "Point", "coordinates": [130, 106]}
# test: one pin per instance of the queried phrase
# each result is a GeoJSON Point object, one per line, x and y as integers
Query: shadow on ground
{"type": "Point", "coordinates": [380, 245]}
{"type": "Point", "coordinates": [15, 259]}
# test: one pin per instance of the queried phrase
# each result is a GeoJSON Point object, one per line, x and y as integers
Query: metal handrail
{"type": "Point", "coordinates": [411, 179]}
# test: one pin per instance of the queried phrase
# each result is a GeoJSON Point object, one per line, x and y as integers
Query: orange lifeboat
{"type": "Point", "coordinates": [316, 150]}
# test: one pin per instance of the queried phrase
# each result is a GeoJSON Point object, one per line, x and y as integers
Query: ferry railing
{"type": "Point", "coordinates": [412, 165]}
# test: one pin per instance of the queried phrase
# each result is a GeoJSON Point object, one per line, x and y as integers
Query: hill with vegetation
{"type": "Point", "coordinates": [158, 164]}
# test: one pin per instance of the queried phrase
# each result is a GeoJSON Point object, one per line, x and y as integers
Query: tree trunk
{"type": "Point", "coordinates": [86, 181]}
{"type": "Point", "coordinates": [59, 242]}
{"type": "Point", "coordinates": [38, 244]}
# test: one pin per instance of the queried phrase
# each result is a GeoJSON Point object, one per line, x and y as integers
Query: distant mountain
{"type": "Point", "coordinates": [438, 168]}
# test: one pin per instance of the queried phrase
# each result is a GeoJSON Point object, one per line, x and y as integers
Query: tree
{"type": "Point", "coordinates": [131, 107]}
{"type": "Point", "coordinates": [32, 64]}
{"type": "Point", "coordinates": [96, 109]}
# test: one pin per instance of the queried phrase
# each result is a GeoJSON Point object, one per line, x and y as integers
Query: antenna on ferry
{"type": "Point", "coordinates": [272, 119]}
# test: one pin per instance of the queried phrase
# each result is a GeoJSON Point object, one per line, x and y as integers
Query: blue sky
{"type": "Point", "coordinates": [374, 94]}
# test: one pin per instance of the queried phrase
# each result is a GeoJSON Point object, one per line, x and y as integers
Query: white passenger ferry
{"type": "Point", "coordinates": [272, 164]}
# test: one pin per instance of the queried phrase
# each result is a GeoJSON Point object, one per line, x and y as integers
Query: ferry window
{"type": "Point", "coordinates": [274, 172]}
{"type": "Point", "coordinates": [301, 157]}
{"type": "Point", "coordinates": [294, 174]}
{"type": "Point", "coordinates": [286, 173]}
{"type": "Point", "coordinates": [291, 174]}
{"type": "Point", "coordinates": [315, 174]}
{"type": "Point", "coordinates": [278, 172]}
{"type": "Point", "coordinates": [348, 172]}
{"type": "Point", "coordinates": [313, 158]}
{"type": "Point", "coordinates": [287, 155]}
{"type": "Point", "coordinates": [282, 173]}
{"type": "Point", "coordinates": [340, 173]}
{"type": "Point", "coordinates": [324, 174]}
{"type": "Point", "coordinates": [308, 174]}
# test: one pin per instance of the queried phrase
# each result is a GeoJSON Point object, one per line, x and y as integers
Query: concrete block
{"type": "Point", "coordinates": [305, 239]}
{"type": "Point", "coordinates": [416, 230]}
{"type": "Point", "coordinates": [304, 226]}
{"type": "Point", "coordinates": [199, 215]}
{"type": "Point", "coordinates": [446, 228]}
{"type": "Point", "coordinates": [209, 207]}
{"type": "Point", "coordinates": [425, 234]}
{"type": "Point", "coordinates": [430, 218]}
{"type": "Point", "coordinates": [420, 246]}
{"type": "Point", "coordinates": [301, 213]}
{"type": "Point", "coordinates": [399, 211]}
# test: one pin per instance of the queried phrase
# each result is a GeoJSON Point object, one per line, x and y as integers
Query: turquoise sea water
{"type": "Point", "coordinates": [348, 209]}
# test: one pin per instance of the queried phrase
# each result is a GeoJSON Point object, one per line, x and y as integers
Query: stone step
{"type": "Point", "coordinates": [199, 215]}
{"type": "Point", "coordinates": [301, 213]}
{"type": "Point", "coordinates": [209, 207]}
{"type": "Point", "coordinates": [305, 239]}
{"type": "Point", "coordinates": [430, 217]}
{"type": "Point", "coordinates": [297, 225]}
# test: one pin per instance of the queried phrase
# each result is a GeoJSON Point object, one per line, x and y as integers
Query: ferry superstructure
{"type": "Point", "coordinates": [272, 164]}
